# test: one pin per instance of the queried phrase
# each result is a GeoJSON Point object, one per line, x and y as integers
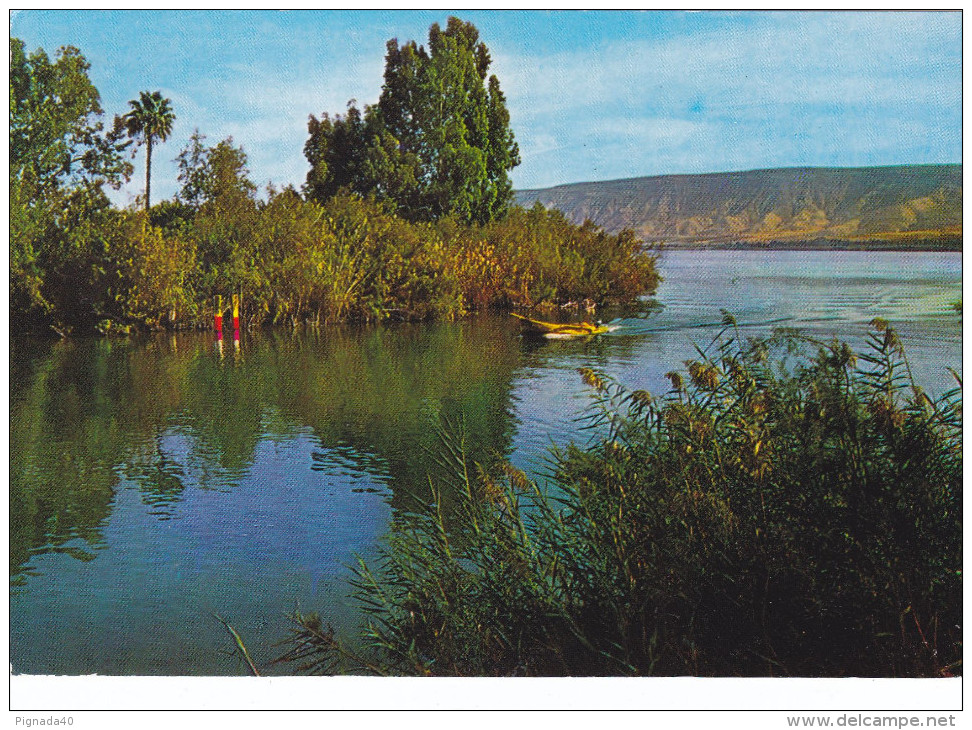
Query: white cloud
{"type": "Point", "coordinates": [770, 89]}
{"type": "Point", "coordinates": [782, 74]}
{"type": "Point", "coordinates": [265, 110]}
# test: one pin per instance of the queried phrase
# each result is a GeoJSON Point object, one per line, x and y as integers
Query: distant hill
{"type": "Point", "coordinates": [904, 205]}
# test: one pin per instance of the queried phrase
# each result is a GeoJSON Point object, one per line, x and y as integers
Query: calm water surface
{"type": "Point", "coordinates": [158, 481]}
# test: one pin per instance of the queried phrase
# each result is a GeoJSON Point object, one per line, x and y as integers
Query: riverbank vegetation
{"type": "Point", "coordinates": [788, 508]}
{"type": "Point", "coordinates": [405, 213]}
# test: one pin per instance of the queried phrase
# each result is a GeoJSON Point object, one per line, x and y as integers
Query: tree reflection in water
{"type": "Point", "coordinates": [165, 418]}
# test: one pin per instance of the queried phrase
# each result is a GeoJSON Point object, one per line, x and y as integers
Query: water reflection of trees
{"type": "Point", "coordinates": [63, 446]}
{"type": "Point", "coordinates": [159, 478]}
{"type": "Point", "coordinates": [166, 414]}
{"type": "Point", "coordinates": [389, 391]}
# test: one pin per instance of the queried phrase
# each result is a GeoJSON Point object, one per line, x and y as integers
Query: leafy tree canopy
{"type": "Point", "coordinates": [211, 173]}
{"type": "Point", "coordinates": [61, 156]}
{"type": "Point", "coordinates": [437, 143]}
{"type": "Point", "coordinates": [57, 138]}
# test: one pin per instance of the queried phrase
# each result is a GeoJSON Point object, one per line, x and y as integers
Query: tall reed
{"type": "Point", "coordinates": [789, 507]}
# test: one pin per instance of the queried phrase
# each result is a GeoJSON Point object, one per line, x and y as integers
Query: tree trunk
{"type": "Point", "coordinates": [148, 170]}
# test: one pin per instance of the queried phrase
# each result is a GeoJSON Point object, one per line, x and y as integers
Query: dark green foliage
{"type": "Point", "coordinates": [536, 256]}
{"type": "Point", "coordinates": [227, 221]}
{"type": "Point", "coordinates": [336, 151]}
{"type": "Point", "coordinates": [789, 508]}
{"type": "Point", "coordinates": [172, 216]}
{"type": "Point", "coordinates": [193, 161]}
{"type": "Point", "coordinates": [75, 258]}
{"type": "Point", "coordinates": [438, 143]}
{"type": "Point", "coordinates": [60, 158]}
{"type": "Point", "coordinates": [57, 138]}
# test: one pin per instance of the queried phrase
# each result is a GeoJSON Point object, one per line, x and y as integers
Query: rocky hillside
{"type": "Point", "coordinates": [906, 205]}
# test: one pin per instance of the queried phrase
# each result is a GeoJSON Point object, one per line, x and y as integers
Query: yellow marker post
{"type": "Point", "coordinates": [218, 324]}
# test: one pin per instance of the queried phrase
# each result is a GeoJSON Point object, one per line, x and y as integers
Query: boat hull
{"type": "Point", "coordinates": [554, 330]}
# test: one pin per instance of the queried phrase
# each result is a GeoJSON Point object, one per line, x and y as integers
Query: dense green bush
{"type": "Point", "coordinates": [152, 272]}
{"type": "Point", "coordinates": [350, 258]}
{"type": "Point", "coordinates": [537, 256]}
{"type": "Point", "coordinates": [294, 260]}
{"type": "Point", "coordinates": [788, 508]}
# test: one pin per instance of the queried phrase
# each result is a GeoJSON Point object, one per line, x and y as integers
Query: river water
{"type": "Point", "coordinates": [157, 482]}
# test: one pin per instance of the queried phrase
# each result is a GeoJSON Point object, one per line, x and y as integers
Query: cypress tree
{"type": "Point", "coordinates": [437, 143]}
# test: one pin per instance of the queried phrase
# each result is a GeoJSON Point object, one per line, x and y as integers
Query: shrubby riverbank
{"type": "Point", "coordinates": [788, 508]}
{"type": "Point", "coordinates": [293, 260]}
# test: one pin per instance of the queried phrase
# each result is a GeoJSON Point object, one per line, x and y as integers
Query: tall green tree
{"type": "Point", "coordinates": [61, 156]}
{"type": "Point", "coordinates": [210, 173]}
{"type": "Point", "coordinates": [437, 143]}
{"type": "Point", "coordinates": [150, 119]}
{"type": "Point", "coordinates": [57, 137]}
{"type": "Point", "coordinates": [224, 228]}
{"type": "Point", "coordinates": [192, 162]}
{"type": "Point", "coordinates": [336, 150]}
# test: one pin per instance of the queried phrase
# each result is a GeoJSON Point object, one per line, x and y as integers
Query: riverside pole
{"type": "Point", "coordinates": [218, 323]}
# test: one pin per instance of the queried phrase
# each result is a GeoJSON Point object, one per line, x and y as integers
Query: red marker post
{"type": "Point", "coordinates": [218, 322]}
{"type": "Point", "coordinates": [236, 311]}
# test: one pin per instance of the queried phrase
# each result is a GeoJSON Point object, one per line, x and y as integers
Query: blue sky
{"type": "Point", "coordinates": [592, 95]}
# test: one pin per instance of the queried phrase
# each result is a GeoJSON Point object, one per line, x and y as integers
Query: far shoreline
{"type": "Point", "coordinates": [948, 246]}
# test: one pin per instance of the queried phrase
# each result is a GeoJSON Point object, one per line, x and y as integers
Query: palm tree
{"type": "Point", "coordinates": [151, 118]}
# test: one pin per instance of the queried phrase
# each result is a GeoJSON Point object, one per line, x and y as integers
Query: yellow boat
{"type": "Point", "coordinates": [554, 330]}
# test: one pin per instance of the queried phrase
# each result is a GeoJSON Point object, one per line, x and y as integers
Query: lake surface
{"type": "Point", "coordinates": [158, 481]}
